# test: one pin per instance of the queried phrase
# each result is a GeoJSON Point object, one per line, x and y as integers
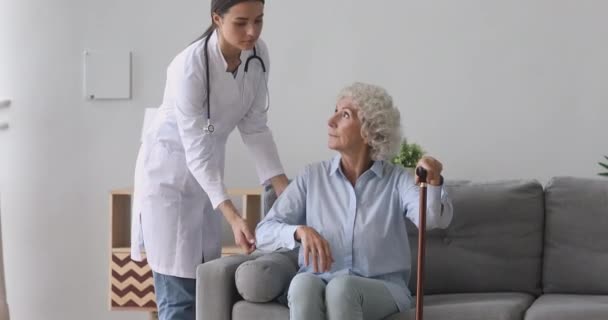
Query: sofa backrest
{"type": "Point", "coordinates": [576, 236]}
{"type": "Point", "coordinates": [494, 243]}
{"type": "Point", "coordinates": [268, 198]}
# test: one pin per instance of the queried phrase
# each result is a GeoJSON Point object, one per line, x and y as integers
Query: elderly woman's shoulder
{"type": "Point", "coordinates": [398, 170]}
{"type": "Point", "coordinates": [319, 167]}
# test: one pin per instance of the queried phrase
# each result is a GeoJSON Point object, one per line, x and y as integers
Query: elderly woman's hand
{"type": "Point", "coordinates": [433, 168]}
{"type": "Point", "coordinates": [313, 244]}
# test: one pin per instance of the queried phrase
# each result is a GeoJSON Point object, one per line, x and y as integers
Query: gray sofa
{"type": "Point", "coordinates": [514, 250]}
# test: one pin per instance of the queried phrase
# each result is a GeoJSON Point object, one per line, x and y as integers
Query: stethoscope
{"type": "Point", "coordinates": [210, 128]}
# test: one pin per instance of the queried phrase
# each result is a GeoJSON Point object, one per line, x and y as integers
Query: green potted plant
{"type": "Point", "coordinates": [605, 166]}
{"type": "Point", "coordinates": [408, 155]}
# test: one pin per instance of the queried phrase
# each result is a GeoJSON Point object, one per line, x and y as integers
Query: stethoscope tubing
{"type": "Point", "coordinates": [210, 128]}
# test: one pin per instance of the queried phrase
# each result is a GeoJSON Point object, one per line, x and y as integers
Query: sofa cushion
{"type": "Point", "coordinates": [265, 278]}
{"type": "Point", "coordinates": [472, 306]}
{"type": "Point", "coordinates": [268, 198]}
{"type": "Point", "coordinates": [245, 310]}
{"type": "Point", "coordinates": [494, 243]}
{"type": "Point", "coordinates": [576, 241]}
{"type": "Point", "coordinates": [568, 307]}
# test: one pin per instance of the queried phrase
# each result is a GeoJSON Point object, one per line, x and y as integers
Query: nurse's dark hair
{"type": "Point", "coordinates": [220, 7]}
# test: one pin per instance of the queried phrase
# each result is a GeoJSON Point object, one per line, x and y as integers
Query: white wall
{"type": "Point", "coordinates": [496, 89]}
{"type": "Point", "coordinates": [501, 89]}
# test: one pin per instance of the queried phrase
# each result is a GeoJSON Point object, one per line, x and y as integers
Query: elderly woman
{"type": "Point", "coordinates": [348, 216]}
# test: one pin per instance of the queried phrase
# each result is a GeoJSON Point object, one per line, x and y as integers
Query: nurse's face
{"type": "Point", "coordinates": [344, 128]}
{"type": "Point", "coordinates": [242, 25]}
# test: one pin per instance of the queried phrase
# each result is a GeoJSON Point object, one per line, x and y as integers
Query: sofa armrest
{"type": "Point", "coordinates": [267, 277]}
{"type": "Point", "coordinates": [215, 289]}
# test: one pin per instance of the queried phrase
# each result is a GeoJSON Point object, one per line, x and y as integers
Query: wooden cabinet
{"type": "Point", "coordinates": [131, 283]}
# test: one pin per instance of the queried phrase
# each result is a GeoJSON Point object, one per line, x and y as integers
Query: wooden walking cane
{"type": "Point", "coordinates": [421, 173]}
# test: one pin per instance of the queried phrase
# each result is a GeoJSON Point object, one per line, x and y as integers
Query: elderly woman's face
{"type": "Point", "coordinates": [345, 127]}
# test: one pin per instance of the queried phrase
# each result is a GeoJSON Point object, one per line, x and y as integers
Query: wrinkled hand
{"type": "Point", "coordinates": [315, 246]}
{"type": "Point", "coordinates": [243, 237]}
{"type": "Point", "coordinates": [433, 168]}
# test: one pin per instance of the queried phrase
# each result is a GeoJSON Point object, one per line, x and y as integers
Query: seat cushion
{"type": "Point", "coordinates": [472, 306]}
{"type": "Point", "coordinates": [245, 310]}
{"type": "Point", "coordinates": [266, 277]}
{"type": "Point", "coordinates": [568, 307]}
{"type": "Point", "coordinates": [494, 243]}
{"type": "Point", "coordinates": [576, 258]}
{"type": "Point", "coordinates": [468, 306]}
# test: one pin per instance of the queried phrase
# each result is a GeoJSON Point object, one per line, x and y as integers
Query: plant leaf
{"type": "Point", "coordinates": [409, 154]}
{"type": "Point", "coordinates": [603, 165]}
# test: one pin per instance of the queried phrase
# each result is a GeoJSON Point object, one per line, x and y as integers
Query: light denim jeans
{"type": "Point", "coordinates": [345, 297]}
{"type": "Point", "coordinates": [174, 297]}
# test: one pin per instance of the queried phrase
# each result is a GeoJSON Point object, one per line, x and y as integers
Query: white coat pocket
{"type": "Point", "coordinates": [166, 172]}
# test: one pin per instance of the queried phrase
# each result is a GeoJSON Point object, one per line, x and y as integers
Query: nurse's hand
{"type": "Point", "coordinates": [243, 237]}
{"type": "Point", "coordinates": [316, 247]}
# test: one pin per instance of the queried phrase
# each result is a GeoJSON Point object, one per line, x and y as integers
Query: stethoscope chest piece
{"type": "Point", "coordinates": [209, 128]}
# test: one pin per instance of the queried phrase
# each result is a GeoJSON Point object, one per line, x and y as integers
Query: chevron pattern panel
{"type": "Point", "coordinates": [132, 285]}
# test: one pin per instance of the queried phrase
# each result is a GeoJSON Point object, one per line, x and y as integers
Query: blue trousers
{"type": "Point", "coordinates": [345, 297]}
{"type": "Point", "coordinates": [174, 297]}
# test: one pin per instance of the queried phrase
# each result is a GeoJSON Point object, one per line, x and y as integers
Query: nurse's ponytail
{"type": "Point", "coordinates": [220, 7]}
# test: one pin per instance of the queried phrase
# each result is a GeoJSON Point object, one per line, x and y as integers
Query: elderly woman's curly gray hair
{"type": "Point", "coordinates": [380, 120]}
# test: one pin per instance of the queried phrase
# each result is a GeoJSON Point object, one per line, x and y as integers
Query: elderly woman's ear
{"type": "Point", "coordinates": [365, 139]}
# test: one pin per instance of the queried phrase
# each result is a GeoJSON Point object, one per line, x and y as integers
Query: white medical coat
{"type": "Point", "coordinates": [179, 171]}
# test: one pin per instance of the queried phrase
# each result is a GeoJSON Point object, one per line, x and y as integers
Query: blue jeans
{"type": "Point", "coordinates": [344, 297]}
{"type": "Point", "coordinates": [174, 297]}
